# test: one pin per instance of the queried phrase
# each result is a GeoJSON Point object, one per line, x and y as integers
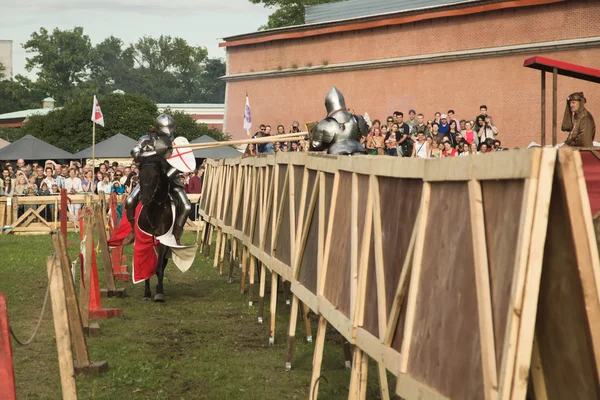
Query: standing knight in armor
{"type": "Point", "coordinates": [340, 131]}
{"type": "Point", "coordinates": [157, 145]}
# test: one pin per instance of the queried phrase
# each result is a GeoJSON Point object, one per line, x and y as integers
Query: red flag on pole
{"type": "Point", "coordinates": [97, 115]}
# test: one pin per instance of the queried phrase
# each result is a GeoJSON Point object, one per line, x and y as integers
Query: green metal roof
{"type": "Point", "coordinates": [26, 113]}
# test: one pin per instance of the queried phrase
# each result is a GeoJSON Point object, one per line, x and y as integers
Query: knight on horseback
{"type": "Point", "coordinates": [156, 147]}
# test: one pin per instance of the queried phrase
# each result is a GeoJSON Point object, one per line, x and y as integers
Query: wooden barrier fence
{"type": "Point", "coordinates": [40, 214]}
{"type": "Point", "coordinates": [467, 278]}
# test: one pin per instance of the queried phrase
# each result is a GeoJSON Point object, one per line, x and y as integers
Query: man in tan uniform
{"type": "Point", "coordinates": [578, 122]}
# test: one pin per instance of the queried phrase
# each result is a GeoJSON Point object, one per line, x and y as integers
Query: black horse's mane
{"type": "Point", "coordinates": [154, 183]}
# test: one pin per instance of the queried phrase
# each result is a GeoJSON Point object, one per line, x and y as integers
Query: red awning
{"type": "Point", "coordinates": [563, 68]}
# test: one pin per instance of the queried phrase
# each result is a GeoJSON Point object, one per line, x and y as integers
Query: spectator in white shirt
{"type": "Point", "coordinates": [104, 185]}
{"type": "Point", "coordinates": [49, 179]}
{"type": "Point", "coordinates": [73, 186]}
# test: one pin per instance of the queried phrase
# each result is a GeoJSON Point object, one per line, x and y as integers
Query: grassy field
{"type": "Point", "coordinates": [203, 343]}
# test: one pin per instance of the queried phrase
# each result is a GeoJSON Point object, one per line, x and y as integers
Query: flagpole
{"type": "Point", "coordinates": [94, 148]}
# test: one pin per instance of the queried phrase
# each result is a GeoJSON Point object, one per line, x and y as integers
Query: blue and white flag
{"type": "Point", "coordinates": [247, 116]}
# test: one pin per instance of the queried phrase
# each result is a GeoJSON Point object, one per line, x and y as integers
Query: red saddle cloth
{"type": "Point", "coordinates": [145, 259]}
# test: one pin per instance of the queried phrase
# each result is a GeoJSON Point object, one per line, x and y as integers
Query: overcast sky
{"type": "Point", "coordinates": [200, 22]}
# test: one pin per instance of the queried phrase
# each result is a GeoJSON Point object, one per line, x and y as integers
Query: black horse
{"type": "Point", "coordinates": [156, 217]}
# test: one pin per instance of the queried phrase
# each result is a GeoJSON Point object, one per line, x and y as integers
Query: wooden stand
{"type": "Point", "coordinates": [67, 320]}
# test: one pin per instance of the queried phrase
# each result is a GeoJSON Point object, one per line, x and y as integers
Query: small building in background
{"type": "Point", "coordinates": [210, 114]}
{"type": "Point", "coordinates": [16, 119]}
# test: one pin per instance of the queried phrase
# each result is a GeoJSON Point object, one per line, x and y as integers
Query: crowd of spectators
{"type": "Point", "coordinates": [445, 135]}
{"type": "Point", "coordinates": [48, 178]}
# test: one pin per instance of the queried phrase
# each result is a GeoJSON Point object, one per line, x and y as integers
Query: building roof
{"type": "Point", "coordinates": [3, 143]}
{"type": "Point", "coordinates": [350, 9]}
{"type": "Point", "coordinates": [26, 113]}
{"type": "Point", "coordinates": [31, 148]}
{"type": "Point", "coordinates": [215, 152]}
{"type": "Point", "coordinates": [117, 146]}
{"type": "Point", "coordinates": [413, 11]}
{"type": "Point", "coordinates": [189, 105]}
{"type": "Point", "coordinates": [563, 68]}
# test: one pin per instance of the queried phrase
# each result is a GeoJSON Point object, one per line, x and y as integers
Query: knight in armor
{"type": "Point", "coordinates": [340, 131]}
{"type": "Point", "coordinates": [157, 147]}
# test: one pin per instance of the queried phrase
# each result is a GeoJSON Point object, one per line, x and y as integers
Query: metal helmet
{"type": "Point", "coordinates": [165, 125]}
{"type": "Point", "coordinates": [334, 100]}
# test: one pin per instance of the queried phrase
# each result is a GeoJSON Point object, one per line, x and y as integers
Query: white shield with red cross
{"type": "Point", "coordinates": [182, 157]}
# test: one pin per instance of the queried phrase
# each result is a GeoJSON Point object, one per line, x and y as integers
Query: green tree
{"type": "Point", "coordinates": [2, 69]}
{"type": "Point", "coordinates": [112, 66]}
{"type": "Point", "coordinates": [289, 12]}
{"type": "Point", "coordinates": [168, 69]}
{"type": "Point", "coordinates": [211, 89]}
{"type": "Point", "coordinates": [133, 115]}
{"type": "Point", "coordinates": [70, 127]}
{"type": "Point", "coordinates": [62, 60]}
{"type": "Point", "coordinates": [19, 94]}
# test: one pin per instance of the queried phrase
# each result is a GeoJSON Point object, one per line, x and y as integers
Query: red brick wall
{"type": "Point", "coordinates": [573, 19]}
{"type": "Point", "coordinates": [511, 92]}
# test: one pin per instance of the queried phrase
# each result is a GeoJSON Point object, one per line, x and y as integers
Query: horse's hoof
{"type": "Point", "coordinates": [145, 299]}
{"type": "Point", "coordinates": [159, 298]}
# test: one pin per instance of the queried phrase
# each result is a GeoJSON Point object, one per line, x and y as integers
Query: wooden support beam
{"type": "Point", "coordinates": [61, 328]}
{"type": "Point", "coordinates": [484, 300]}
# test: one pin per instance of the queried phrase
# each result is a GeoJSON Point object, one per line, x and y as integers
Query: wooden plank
{"type": "Point", "coordinates": [515, 164]}
{"type": "Point", "coordinates": [327, 246]}
{"type": "Point", "coordinates": [574, 187]}
{"type": "Point", "coordinates": [335, 318]}
{"type": "Point", "coordinates": [365, 251]}
{"type": "Point", "coordinates": [565, 308]}
{"type": "Point", "coordinates": [537, 374]}
{"type": "Point", "coordinates": [309, 249]}
{"type": "Point", "coordinates": [75, 325]}
{"type": "Point", "coordinates": [61, 329]}
{"type": "Point", "coordinates": [102, 243]}
{"type": "Point", "coordinates": [518, 281]}
{"type": "Point", "coordinates": [378, 250]}
{"type": "Point", "coordinates": [2, 214]}
{"type": "Point", "coordinates": [502, 224]}
{"type": "Point", "coordinates": [402, 288]}
{"type": "Point", "coordinates": [410, 388]}
{"type": "Point", "coordinates": [414, 281]}
{"type": "Point", "coordinates": [318, 358]}
{"type": "Point", "coordinates": [534, 273]}
{"type": "Point", "coordinates": [445, 341]}
{"type": "Point", "coordinates": [484, 301]}
{"type": "Point", "coordinates": [336, 265]}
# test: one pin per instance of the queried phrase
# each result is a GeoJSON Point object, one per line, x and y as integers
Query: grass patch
{"type": "Point", "coordinates": [203, 343]}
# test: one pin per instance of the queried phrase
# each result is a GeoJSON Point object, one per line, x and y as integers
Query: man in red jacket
{"type": "Point", "coordinates": [195, 185]}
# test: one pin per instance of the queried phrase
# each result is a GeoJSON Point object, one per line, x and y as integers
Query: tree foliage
{"type": "Point", "coordinates": [289, 12]}
{"type": "Point", "coordinates": [70, 128]}
{"type": "Point", "coordinates": [61, 59]}
{"type": "Point", "coordinates": [165, 69]}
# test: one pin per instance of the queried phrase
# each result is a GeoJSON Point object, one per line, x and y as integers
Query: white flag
{"type": "Point", "coordinates": [97, 116]}
{"type": "Point", "coordinates": [247, 116]}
